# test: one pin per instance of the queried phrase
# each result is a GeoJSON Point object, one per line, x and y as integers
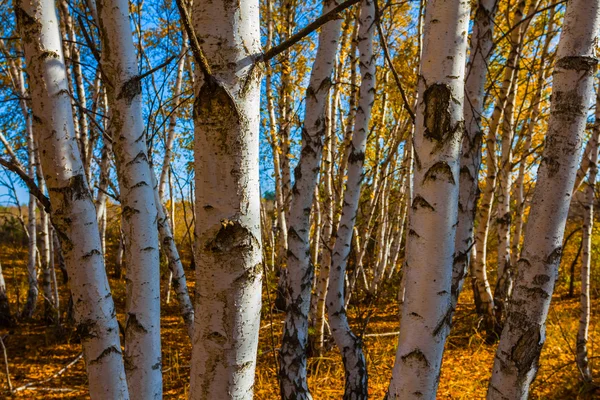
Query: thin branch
{"type": "Point", "coordinates": [386, 52]}
{"type": "Point", "coordinates": [33, 188]}
{"type": "Point", "coordinates": [302, 33]}
{"type": "Point", "coordinates": [88, 40]}
{"type": "Point", "coordinates": [10, 387]}
{"type": "Point", "coordinates": [194, 43]}
{"type": "Point", "coordinates": [60, 372]}
{"type": "Point", "coordinates": [153, 70]}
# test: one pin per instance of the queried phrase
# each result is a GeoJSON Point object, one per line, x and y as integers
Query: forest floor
{"type": "Point", "coordinates": [37, 352]}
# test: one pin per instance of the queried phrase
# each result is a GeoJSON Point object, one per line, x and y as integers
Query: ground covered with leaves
{"type": "Point", "coordinates": [37, 353]}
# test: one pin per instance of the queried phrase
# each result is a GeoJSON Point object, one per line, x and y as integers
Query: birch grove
{"type": "Point", "coordinates": [280, 199]}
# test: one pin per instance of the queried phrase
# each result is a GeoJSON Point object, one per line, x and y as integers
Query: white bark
{"type": "Point", "coordinates": [168, 151]}
{"type": "Point", "coordinates": [5, 317]}
{"type": "Point", "coordinates": [504, 281]}
{"type": "Point", "coordinates": [324, 262]}
{"type": "Point", "coordinates": [32, 290]}
{"type": "Point", "coordinates": [439, 126]}
{"type": "Point", "coordinates": [138, 207]}
{"type": "Point", "coordinates": [470, 161]}
{"type": "Point", "coordinates": [523, 335]}
{"type": "Point", "coordinates": [73, 212]}
{"type": "Point", "coordinates": [178, 280]}
{"type": "Point", "coordinates": [350, 346]}
{"type": "Point", "coordinates": [588, 226]}
{"type": "Point", "coordinates": [228, 236]}
{"type": "Point", "coordinates": [300, 271]}
{"type": "Point", "coordinates": [534, 114]}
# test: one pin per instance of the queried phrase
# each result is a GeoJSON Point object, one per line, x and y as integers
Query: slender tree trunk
{"type": "Point", "coordinates": [433, 214]}
{"type": "Point", "coordinates": [470, 161]}
{"type": "Point", "coordinates": [138, 204]}
{"type": "Point", "coordinates": [484, 212]}
{"type": "Point", "coordinates": [588, 227]}
{"type": "Point", "coordinates": [32, 290]}
{"type": "Point", "coordinates": [179, 281]}
{"type": "Point", "coordinates": [523, 336]}
{"type": "Point", "coordinates": [228, 236]}
{"type": "Point", "coordinates": [168, 155]}
{"type": "Point", "coordinates": [328, 212]}
{"type": "Point", "coordinates": [292, 372]}
{"type": "Point", "coordinates": [504, 281]}
{"type": "Point", "coordinates": [73, 211]}
{"type": "Point", "coordinates": [5, 316]}
{"type": "Point", "coordinates": [355, 365]}
{"type": "Point", "coordinates": [534, 115]}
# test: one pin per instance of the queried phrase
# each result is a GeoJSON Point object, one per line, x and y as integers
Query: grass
{"type": "Point", "coordinates": [36, 351]}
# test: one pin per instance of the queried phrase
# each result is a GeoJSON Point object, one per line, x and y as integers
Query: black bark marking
{"type": "Point", "coordinates": [419, 201]}
{"type": "Point", "coordinates": [94, 252]}
{"type": "Point", "coordinates": [527, 351]}
{"type": "Point", "coordinates": [541, 279]}
{"type": "Point", "coordinates": [217, 337]}
{"type": "Point", "coordinates": [578, 63]}
{"type": "Point", "coordinates": [437, 117]}
{"type": "Point", "coordinates": [214, 103]}
{"type": "Point", "coordinates": [554, 257]}
{"type": "Point", "coordinates": [86, 330]}
{"type": "Point", "coordinates": [130, 89]}
{"type": "Point", "coordinates": [445, 321]}
{"type": "Point", "coordinates": [105, 353]}
{"type": "Point", "coordinates": [415, 356]}
{"type": "Point", "coordinates": [438, 170]}
{"type": "Point", "coordinates": [133, 324]}
{"type": "Point", "coordinates": [128, 212]}
{"type": "Point", "coordinates": [356, 157]}
{"type": "Point", "coordinates": [140, 157]}
{"type": "Point", "coordinates": [231, 235]}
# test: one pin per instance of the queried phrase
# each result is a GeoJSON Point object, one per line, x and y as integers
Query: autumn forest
{"type": "Point", "coordinates": [277, 199]}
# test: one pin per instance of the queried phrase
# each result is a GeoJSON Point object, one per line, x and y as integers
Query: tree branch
{"type": "Point", "coordinates": [302, 33]}
{"type": "Point", "coordinates": [194, 43]}
{"type": "Point", "coordinates": [386, 52]}
{"type": "Point", "coordinates": [33, 188]}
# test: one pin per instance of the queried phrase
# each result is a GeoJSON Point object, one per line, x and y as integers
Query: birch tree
{"type": "Point", "coordinates": [523, 336]}
{"type": "Point", "coordinates": [73, 212]}
{"type": "Point", "coordinates": [138, 207]}
{"type": "Point", "coordinates": [292, 372]}
{"type": "Point", "coordinates": [588, 227]}
{"type": "Point", "coordinates": [350, 346]}
{"type": "Point", "coordinates": [470, 161]}
{"type": "Point", "coordinates": [227, 204]}
{"type": "Point", "coordinates": [439, 127]}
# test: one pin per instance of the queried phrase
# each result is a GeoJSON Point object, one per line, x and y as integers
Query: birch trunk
{"type": "Point", "coordinates": [328, 212]}
{"type": "Point", "coordinates": [586, 260]}
{"type": "Point", "coordinates": [484, 213]}
{"type": "Point", "coordinates": [292, 372]}
{"type": "Point", "coordinates": [32, 289]}
{"type": "Point", "coordinates": [534, 114]}
{"type": "Point", "coordinates": [162, 182]}
{"type": "Point", "coordinates": [73, 211]}
{"type": "Point", "coordinates": [355, 365]}
{"type": "Point", "coordinates": [439, 126]}
{"type": "Point", "coordinates": [470, 161]}
{"type": "Point", "coordinates": [5, 316]}
{"type": "Point", "coordinates": [228, 233]}
{"type": "Point", "coordinates": [504, 281]}
{"type": "Point", "coordinates": [138, 207]}
{"type": "Point", "coordinates": [523, 336]}
{"type": "Point", "coordinates": [178, 280]}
